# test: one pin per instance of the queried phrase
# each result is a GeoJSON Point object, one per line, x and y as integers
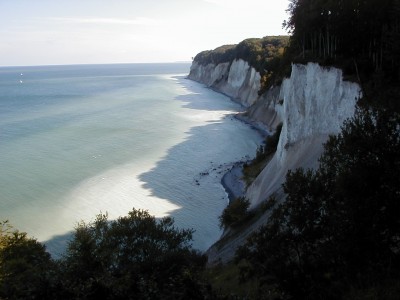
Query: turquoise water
{"type": "Point", "coordinates": [79, 140]}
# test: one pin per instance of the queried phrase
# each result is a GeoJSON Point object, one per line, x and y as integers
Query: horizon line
{"type": "Point", "coordinates": [93, 64]}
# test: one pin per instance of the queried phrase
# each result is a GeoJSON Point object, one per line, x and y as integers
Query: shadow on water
{"type": "Point", "coordinates": [189, 175]}
{"type": "Point", "coordinates": [57, 244]}
{"type": "Point", "coordinates": [198, 92]}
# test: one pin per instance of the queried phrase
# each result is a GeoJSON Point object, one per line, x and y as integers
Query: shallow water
{"type": "Point", "coordinates": [79, 140]}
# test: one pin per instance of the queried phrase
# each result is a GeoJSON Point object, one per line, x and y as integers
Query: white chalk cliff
{"type": "Point", "coordinates": [316, 102]}
{"type": "Point", "coordinates": [236, 79]}
{"type": "Point", "coordinates": [312, 104]}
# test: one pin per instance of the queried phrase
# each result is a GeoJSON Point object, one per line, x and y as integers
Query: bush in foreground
{"type": "Point", "coordinates": [26, 269]}
{"type": "Point", "coordinates": [235, 213]}
{"type": "Point", "coordinates": [133, 257]}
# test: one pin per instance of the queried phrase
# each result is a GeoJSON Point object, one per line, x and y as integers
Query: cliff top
{"type": "Point", "coordinates": [257, 51]}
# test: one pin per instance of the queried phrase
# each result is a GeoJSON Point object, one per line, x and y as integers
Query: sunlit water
{"type": "Point", "coordinates": [79, 140]}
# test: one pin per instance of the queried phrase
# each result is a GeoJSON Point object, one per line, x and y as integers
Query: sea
{"type": "Point", "coordinates": [80, 140]}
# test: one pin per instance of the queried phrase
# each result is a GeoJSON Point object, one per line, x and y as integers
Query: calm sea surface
{"type": "Point", "coordinates": [79, 140]}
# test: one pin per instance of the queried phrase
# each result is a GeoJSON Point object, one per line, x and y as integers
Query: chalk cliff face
{"type": "Point", "coordinates": [235, 79]}
{"type": "Point", "coordinates": [268, 109]}
{"type": "Point", "coordinates": [316, 102]}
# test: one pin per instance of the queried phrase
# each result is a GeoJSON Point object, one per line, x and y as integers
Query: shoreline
{"type": "Point", "coordinates": [232, 181]}
{"type": "Point", "coordinates": [261, 128]}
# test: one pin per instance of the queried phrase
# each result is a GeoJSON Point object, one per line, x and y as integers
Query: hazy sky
{"type": "Point", "coordinates": [41, 32]}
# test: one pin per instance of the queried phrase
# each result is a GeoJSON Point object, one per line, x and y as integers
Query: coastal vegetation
{"type": "Point", "coordinates": [256, 51]}
{"type": "Point", "coordinates": [364, 31]}
{"type": "Point", "coordinates": [264, 153]}
{"type": "Point", "coordinates": [263, 54]}
{"type": "Point", "coordinates": [133, 257]}
{"type": "Point", "coordinates": [235, 213]}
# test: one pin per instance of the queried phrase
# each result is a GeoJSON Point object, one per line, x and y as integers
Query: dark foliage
{"type": "Point", "coordinates": [133, 257]}
{"type": "Point", "coordinates": [235, 213]}
{"type": "Point", "coordinates": [339, 226]}
{"type": "Point", "coordinates": [26, 269]}
{"type": "Point", "coordinates": [219, 55]}
{"type": "Point", "coordinates": [253, 168]}
{"type": "Point", "coordinates": [271, 142]}
{"type": "Point", "coordinates": [258, 52]}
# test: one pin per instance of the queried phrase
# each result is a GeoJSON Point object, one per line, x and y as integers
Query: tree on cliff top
{"type": "Point", "coordinates": [257, 52]}
{"type": "Point", "coordinates": [366, 33]}
{"type": "Point", "coordinates": [265, 55]}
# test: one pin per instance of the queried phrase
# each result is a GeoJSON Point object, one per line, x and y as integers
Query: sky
{"type": "Point", "coordinates": [56, 32]}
